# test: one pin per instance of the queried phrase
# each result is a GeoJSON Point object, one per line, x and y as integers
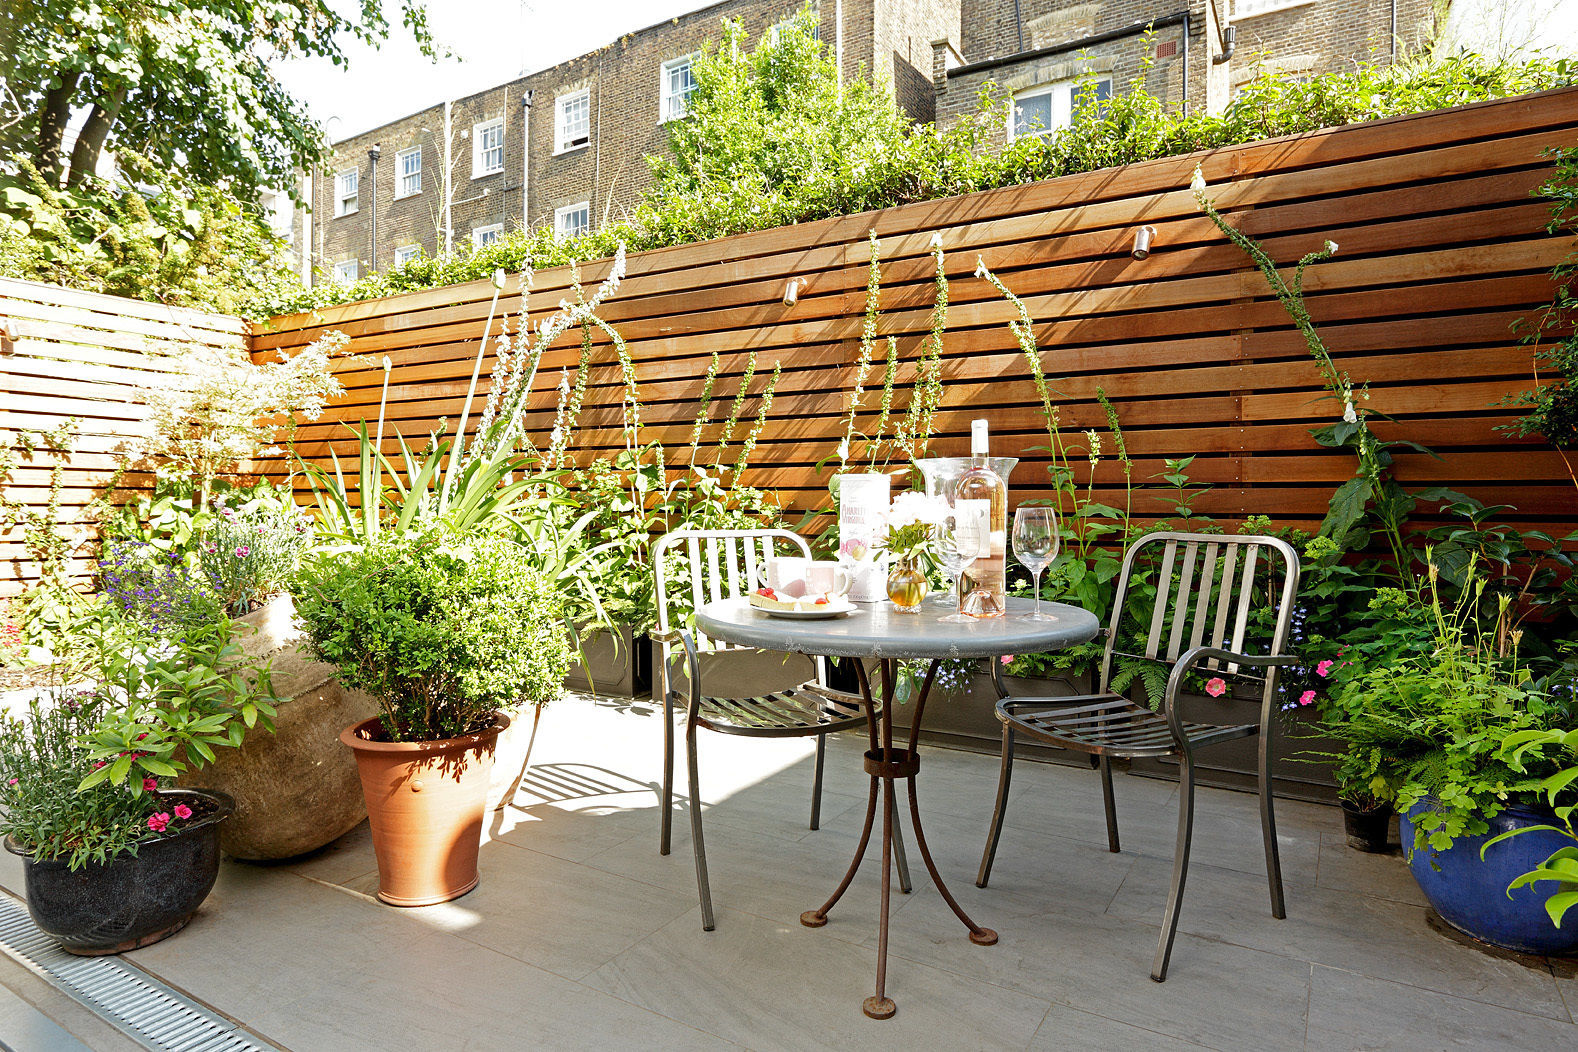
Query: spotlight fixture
{"type": "Point", "coordinates": [1142, 242]}
{"type": "Point", "coordinates": [792, 291]}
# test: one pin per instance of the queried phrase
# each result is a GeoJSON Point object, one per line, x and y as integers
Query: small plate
{"type": "Point", "coordinates": [811, 613]}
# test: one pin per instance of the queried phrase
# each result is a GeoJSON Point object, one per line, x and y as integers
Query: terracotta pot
{"type": "Point", "coordinates": [425, 805]}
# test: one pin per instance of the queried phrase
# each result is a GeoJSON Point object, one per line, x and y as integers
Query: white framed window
{"type": "Point", "coordinates": [775, 32]}
{"type": "Point", "coordinates": [572, 126]}
{"type": "Point", "coordinates": [408, 172]}
{"type": "Point", "coordinates": [1048, 108]}
{"type": "Point", "coordinates": [345, 192]}
{"type": "Point", "coordinates": [482, 236]}
{"type": "Point", "coordinates": [347, 271]}
{"type": "Point", "coordinates": [487, 148]}
{"type": "Point", "coordinates": [678, 81]}
{"type": "Point", "coordinates": [572, 220]}
{"type": "Point", "coordinates": [406, 253]}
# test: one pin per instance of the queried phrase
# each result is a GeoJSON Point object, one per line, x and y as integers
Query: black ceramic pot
{"type": "Point", "coordinates": [1367, 829]}
{"type": "Point", "coordinates": [129, 902]}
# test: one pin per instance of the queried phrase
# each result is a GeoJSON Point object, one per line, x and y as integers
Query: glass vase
{"type": "Point", "coordinates": [907, 587]}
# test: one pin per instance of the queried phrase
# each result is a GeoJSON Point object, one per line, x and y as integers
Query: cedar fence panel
{"type": "Point", "coordinates": [1442, 249]}
{"type": "Point", "coordinates": [80, 354]}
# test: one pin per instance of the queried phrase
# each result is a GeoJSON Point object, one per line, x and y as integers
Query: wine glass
{"type": "Point", "coordinates": [1035, 546]}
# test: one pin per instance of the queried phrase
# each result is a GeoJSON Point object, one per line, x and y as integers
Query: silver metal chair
{"type": "Point", "coordinates": [1207, 587]}
{"type": "Point", "coordinates": [728, 564]}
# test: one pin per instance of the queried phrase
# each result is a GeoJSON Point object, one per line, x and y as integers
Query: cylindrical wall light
{"type": "Point", "coordinates": [1142, 242]}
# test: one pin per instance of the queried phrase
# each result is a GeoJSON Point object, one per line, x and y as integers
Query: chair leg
{"type": "Point", "coordinates": [1004, 777]}
{"type": "Point", "coordinates": [1109, 803]}
{"type": "Point", "coordinates": [1268, 828]}
{"type": "Point", "coordinates": [1164, 949]}
{"type": "Point", "coordinates": [898, 849]}
{"type": "Point", "coordinates": [667, 819]}
{"type": "Point", "coordinates": [816, 782]}
{"type": "Point", "coordinates": [707, 922]}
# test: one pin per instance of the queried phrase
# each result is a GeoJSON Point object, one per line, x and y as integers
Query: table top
{"type": "Point", "coordinates": [876, 630]}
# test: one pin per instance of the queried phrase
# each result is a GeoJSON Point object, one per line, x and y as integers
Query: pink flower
{"type": "Point", "coordinates": [150, 785]}
{"type": "Point", "coordinates": [1324, 668]}
{"type": "Point", "coordinates": [158, 822]}
{"type": "Point", "coordinates": [1007, 659]}
{"type": "Point", "coordinates": [1307, 698]}
{"type": "Point", "coordinates": [98, 765]}
{"type": "Point", "coordinates": [11, 782]}
{"type": "Point", "coordinates": [1216, 687]}
{"type": "Point", "coordinates": [183, 812]}
{"type": "Point", "coordinates": [242, 552]}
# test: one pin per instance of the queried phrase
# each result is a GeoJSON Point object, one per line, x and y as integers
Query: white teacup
{"type": "Point", "coordinates": [812, 577]}
{"type": "Point", "coordinates": [830, 578]}
{"type": "Point", "coordinates": [785, 568]}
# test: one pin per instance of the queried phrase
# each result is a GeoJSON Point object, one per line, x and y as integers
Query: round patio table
{"type": "Point", "coordinates": [874, 630]}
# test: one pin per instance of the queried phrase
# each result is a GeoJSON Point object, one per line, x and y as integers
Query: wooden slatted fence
{"type": "Point", "coordinates": [1442, 249]}
{"type": "Point", "coordinates": [84, 355]}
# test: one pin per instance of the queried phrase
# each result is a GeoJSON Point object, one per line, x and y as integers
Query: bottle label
{"type": "Point", "coordinates": [972, 533]}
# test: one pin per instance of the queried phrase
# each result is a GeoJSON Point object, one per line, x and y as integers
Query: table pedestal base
{"type": "Point", "coordinates": [886, 765]}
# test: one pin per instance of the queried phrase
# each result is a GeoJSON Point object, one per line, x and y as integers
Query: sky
{"type": "Point", "coordinates": [493, 40]}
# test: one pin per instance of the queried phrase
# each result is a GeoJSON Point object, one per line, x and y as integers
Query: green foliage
{"type": "Point", "coordinates": [1553, 405]}
{"type": "Point", "coordinates": [249, 554]}
{"type": "Point", "coordinates": [178, 241]}
{"type": "Point", "coordinates": [772, 140]}
{"type": "Point", "coordinates": [442, 628]}
{"type": "Point", "coordinates": [1543, 749]}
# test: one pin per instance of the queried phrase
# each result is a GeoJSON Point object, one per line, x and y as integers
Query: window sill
{"type": "Point", "coordinates": [561, 151]}
{"type": "Point", "coordinates": [347, 214]}
{"type": "Point", "coordinates": [487, 174]}
{"type": "Point", "coordinates": [413, 193]}
{"type": "Point", "coordinates": [1288, 5]}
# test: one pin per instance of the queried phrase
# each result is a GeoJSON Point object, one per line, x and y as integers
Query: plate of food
{"type": "Point", "coordinates": [810, 606]}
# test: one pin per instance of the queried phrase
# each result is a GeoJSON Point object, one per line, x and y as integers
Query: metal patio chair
{"type": "Point", "coordinates": [1197, 624]}
{"type": "Point", "coordinates": [728, 564]}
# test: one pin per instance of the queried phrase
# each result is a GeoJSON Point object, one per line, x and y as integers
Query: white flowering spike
{"type": "Point", "coordinates": [1331, 248]}
{"type": "Point", "coordinates": [498, 277]}
{"type": "Point", "coordinates": [1349, 414]}
{"type": "Point", "coordinates": [936, 239]}
{"type": "Point", "coordinates": [387, 364]}
{"type": "Point", "coordinates": [1197, 184]}
{"type": "Point", "coordinates": [843, 448]}
{"type": "Point", "coordinates": [980, 267]}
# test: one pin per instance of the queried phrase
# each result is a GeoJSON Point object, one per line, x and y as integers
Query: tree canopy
{"type": "Point", "coordinates": [174, 84]}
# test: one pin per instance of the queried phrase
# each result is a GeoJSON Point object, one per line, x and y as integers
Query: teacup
{"type": "Point", "coordinates": [795, 574]}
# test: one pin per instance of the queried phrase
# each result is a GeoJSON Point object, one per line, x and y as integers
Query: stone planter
{"type": "Point", "coordinates": [617, 662]}
{"type": "Point", "coordinates": [296, 789]}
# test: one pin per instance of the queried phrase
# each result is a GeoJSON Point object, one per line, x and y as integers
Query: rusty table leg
{"type": "Point", "coordinates": [818, 917]}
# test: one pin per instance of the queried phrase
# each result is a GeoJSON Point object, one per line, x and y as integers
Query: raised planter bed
{"type": "Point", "coordinates": [618, 662]}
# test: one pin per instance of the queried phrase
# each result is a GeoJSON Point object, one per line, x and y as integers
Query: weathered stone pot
{"type": "Point", "coordinates": [296, 789]}
{"type": "Point", "coordinates": [613, 662]}
{"type": "Point", "coordinates": [130, 901]}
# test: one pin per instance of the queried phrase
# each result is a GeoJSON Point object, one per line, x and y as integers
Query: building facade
{"type": "Point", "coordinates": [1039, 52]}
{"type": "Point", "coordinates": [566, 146]}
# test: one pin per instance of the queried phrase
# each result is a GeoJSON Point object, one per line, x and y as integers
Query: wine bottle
{"type": "Point", "coordinates": [981, 533]}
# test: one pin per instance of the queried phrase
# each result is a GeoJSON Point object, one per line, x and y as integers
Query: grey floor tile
{"type": "Point", "coordinates": [1352, 1011]}
{"type": "Point", "coordinates": [1068, 1028]}
{"type": "Point", "coordinates": [776, 986]}
{"type": "Point", "coordinates": [1362, 933]}
{"type": "Point", "coordinates": [1383, 875]}
{"type": "Point", "coordinates": [1075, 956]}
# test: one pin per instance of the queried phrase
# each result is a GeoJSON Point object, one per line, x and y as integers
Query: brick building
{"type": "Point", "coordinates": [566, 146]}
{"type": "Point", "coordinates": [1038, 51]}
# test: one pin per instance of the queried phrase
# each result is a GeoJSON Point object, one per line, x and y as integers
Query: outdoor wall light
{"type": "Point", "coordinates": [792, 291]}
{"type": "Point", "coordinates": [1142, 242]}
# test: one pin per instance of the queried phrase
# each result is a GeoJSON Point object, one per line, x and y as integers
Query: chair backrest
{"type": "Point", "coordinates": [1208, 588]}
{"type": "Point", "coordinates": [720, 564]}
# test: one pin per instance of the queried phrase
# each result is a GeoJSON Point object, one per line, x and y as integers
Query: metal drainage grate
{"type": "Point", "coordinates": [146, 1010]}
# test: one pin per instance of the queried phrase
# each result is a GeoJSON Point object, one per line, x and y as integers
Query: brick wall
{"type": "Point", "coordinates": [1301, 37]}
{"type": "Point", "coordinates": [623, 79]}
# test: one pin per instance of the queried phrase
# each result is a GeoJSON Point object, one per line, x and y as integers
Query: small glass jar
{"type": "Point", "coordinates": [907, 586]}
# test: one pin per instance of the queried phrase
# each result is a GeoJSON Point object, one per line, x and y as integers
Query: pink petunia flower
{"type": "Point", "coordinates": [1007, 659]}
{"type": "Point", "coordinates": [11, 782]}
{"type": "Point", "coordinates": [183, 812]}
{"type": "Point", "coordinates": [1307, 698]}
{"type": "Point", "coordinates": [1216, 687]}
{"type": "Point", "coordinates": [158, 822]}
{"type": "Point", "coordinates": [150, 785]}
{"type": "Point", "coordinates": [1324, 668]}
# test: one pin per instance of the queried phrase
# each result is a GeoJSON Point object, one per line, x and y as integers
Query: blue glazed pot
{"type": "Point", "coordinates": [1471, 895]}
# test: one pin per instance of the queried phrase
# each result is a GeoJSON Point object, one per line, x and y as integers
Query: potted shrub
{"type": "Point", "coordinates": [1431, 726]}
{"type": "Point", "coordinates": [447, 631]}
{"type": "Point", "coordinates": [114, 859]}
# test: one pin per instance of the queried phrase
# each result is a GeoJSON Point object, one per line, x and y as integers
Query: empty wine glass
{"type": "Point", "coordinates": [948, 550]}
{"type": "Point", "coordinates": [1035, 546]}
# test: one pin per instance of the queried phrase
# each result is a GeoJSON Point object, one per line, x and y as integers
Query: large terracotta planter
{"type": "Point", "coordinates": [296, 789]}
{"type": "Point", "coordinates": [132, 900]}
{"type": "Point", "coordinates": [425, 806]}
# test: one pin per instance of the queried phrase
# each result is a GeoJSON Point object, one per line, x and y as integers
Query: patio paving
{"type": "Point", "coordinates": [581, 936]}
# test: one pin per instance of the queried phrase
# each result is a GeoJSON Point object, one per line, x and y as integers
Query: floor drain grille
{"type": "Point", "coordinates": [146, 1010]}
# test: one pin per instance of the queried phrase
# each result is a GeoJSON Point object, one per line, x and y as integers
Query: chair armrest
{"type": "Point", "coordinates": [1195, 656]}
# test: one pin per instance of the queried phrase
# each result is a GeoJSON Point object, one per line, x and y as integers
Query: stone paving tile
{"type": "Point", "coordinates": [1382, 875]}
{"type": "Point", "coordinates": [1348, 1010]}
{"type": "Point", "coordinates": [1066, 1027]}
{"type": "Point", "coordinates": [1361, 933]}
